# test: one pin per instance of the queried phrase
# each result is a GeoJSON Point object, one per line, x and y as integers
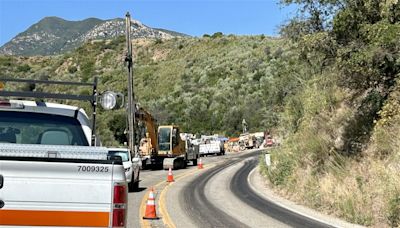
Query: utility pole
{"type": "Point", "coordinates": [131, 96]}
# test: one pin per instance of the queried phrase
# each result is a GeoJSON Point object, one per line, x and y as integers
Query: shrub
{"type": "Point", "coordinates": [282, 166]}
{"type": "Point", "coordinates": [393, 214]}
{"type": "Point", "coordinates": [158, 41]}
{"type": "Point", "coordinates": [23, 68]}
{"type": "Point", "coordinates": [72, 69]}
{"type": "Point", "coordinates": [217, 35]}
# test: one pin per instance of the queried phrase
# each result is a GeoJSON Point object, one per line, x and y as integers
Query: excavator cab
{"type": "Point", "coordinates": [171, 146]}
{"type": "Point", "coordinates": [169, 141]}
{"type": "Point", "coordinates": [164, 139]}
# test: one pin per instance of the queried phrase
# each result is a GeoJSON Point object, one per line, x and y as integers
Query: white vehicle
{"type": "Point", "coordinates": [211, 145]}
{"type": "Point", "coordinates": [131, 165]}
{"type": "Point", "coordinates": [51, 172]}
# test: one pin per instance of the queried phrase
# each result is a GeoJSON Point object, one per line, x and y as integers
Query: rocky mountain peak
{"type": "Point", "coordinates": [54, 35]}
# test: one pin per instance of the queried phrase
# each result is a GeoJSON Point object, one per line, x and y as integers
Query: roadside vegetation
{"type": "Point", "coordinates": [341, 152]}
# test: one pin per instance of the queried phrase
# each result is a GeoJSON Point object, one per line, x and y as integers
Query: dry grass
{"type": "Point", "coordinates": [362, 189]}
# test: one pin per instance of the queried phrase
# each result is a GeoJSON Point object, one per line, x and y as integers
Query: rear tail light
{"type": "Point", "coordinates": [5, 104]}
{"type": "Point", "coordinates": [118, 217]}
{"type": "Point", "coordinates": [119, 205]}
{"type": "Point", "coordinates": [120, 192]}
{"type": "Point", "coordinates": [8, 104]}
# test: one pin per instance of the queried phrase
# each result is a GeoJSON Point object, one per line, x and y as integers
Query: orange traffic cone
{"type": "Point", "coordinates": [170, 177]}
{"type": "Point", "coordinates": [151, 207]}
{"type": "Point", "coordinates": [200, 164]}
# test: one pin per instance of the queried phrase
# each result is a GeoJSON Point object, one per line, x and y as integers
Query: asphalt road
{"type": "Point", "coordinates": [152, 178]}
{"type": "Point", "coordinates": [240, 187]}
{"type": "Point", "coordinates": [197, 205]}
{"type": "Point", "coordinates": [218, 196]}
{"type": "Point", "coordinates": [206, 205]}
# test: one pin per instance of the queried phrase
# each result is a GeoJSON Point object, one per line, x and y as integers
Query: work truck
{"type": "Point", "coordinates": [211, 145]}
{"type": "Point", "coordinates": [53, 171]}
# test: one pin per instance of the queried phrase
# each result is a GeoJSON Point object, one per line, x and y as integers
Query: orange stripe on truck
{"type": "Point", "coordinates": [53, 218]}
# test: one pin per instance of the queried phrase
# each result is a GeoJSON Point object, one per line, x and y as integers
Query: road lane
{"type": "Point", "coordinates": [150, 178]}
{"type": "Point", "coordinates": [196, 204]}
{"type": "Point", "coordinates": [218, 192]}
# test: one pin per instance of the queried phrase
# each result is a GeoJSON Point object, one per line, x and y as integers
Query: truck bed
{"type": "Point", "coordinates": [57, 185]}
{"type": "Point", "coordinates": [211, 148]}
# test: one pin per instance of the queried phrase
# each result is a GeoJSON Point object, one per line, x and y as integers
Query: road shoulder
{"type": "Point", "coordinates": [258, 184]}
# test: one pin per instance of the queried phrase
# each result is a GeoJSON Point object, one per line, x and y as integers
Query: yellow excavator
{"type": "Point", "coordinates": [165, 146]}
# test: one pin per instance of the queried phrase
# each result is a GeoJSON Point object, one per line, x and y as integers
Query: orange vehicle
{"type": "Point", "coordinates": [164, 145]}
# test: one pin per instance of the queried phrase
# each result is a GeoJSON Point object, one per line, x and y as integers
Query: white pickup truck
{"type": "Point", "coordinates": [51, 174]}
{"type": "Point", "coordinates": [210, 145]}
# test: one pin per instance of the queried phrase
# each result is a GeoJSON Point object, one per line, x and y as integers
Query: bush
{"type": "Point", "coordinates": [393, 214]}
{"type": "Point", "coordinates": [23, 68]}
{"type": "Point", "coordinates": [217, 35]}
{"type": "Point", "coordinates": [158, 41]}
{"type": "Point", "coordinates": [282, 167]}
{"type": "Point", "coordinates": [72, 69]}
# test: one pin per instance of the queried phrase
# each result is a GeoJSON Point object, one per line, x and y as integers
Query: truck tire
{"type": "Point", "coordinates": [133, 186]}
{"type": "Point", "coordinates": [194, 162]}
{"type": "Point", "coordinates": [184, 163]}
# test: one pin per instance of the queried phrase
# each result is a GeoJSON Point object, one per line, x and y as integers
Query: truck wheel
{"type": "Point", "coordinates": [136, 186]}
{"type": "Point", "coordinates": [131, 186]}
{"type": "Point", "coordinates": [194, 162]}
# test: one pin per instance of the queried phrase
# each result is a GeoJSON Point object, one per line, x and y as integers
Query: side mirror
{"type": "Point", "coordinates": [137, 161]}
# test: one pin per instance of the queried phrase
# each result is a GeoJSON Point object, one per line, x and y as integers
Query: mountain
{"type": "Point", "coordinates": [53, 35]}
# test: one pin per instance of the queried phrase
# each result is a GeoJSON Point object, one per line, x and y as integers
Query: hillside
{"type": "Point", "coordinates": [53, 35]}
{"type": "Point", "coordinates": [341, 152]}
{"type": "Point", "coordinates": [206, 85]}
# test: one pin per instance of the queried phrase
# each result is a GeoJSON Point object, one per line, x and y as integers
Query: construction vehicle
{"type": "Point", "coordinates": [164, 146]}
{"type": "Point", "coordinates": [148, 145]}
{"type": "Point", "coordinates": [259, 138]}
{"type": "Point", "coordinates": [172, 150]}
{"type": "Point", "coordinates": [211, 145]}
{"type": "Point", "coordinates": [247, 141]}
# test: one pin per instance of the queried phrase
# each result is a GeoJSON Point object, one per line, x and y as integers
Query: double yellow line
{"type": "Point", "coordinates": [162, 200]}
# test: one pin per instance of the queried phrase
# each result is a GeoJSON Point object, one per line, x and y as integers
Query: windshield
{"type": "Point", "coordinates": [38, 128]}
{"type": "Point", "coordinates": [123, 154]}
{"type": "Point", "coordinates": [164, 137]}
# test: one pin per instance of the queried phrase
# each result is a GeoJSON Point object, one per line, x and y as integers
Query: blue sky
{"type": "Point", "coordinates": [193, 17]}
